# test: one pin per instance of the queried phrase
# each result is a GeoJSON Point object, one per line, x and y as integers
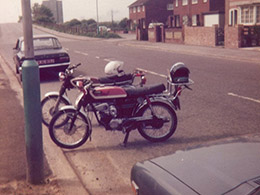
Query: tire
{"type": "Point", "coordinates": [59, 129]}
{"type": "Point", "coordinates": [47, 105]}
{"type": "Point", "coordinates": [162, 132]}
{"type": "Point", "coordinates": [20, 76]}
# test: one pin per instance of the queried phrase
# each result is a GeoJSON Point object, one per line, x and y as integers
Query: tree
{"type": "Point", "coordinates": [73, 22]}
{"type": "Point", "coordinates": [123, 23]}
{"type": "Point", "coordinates": [42, 14]}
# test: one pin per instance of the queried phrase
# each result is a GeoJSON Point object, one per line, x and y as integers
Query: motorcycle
{"type": "Point", "coordinates": [53, 101]}
{"type": "Point", "coordinates": [150, 109]}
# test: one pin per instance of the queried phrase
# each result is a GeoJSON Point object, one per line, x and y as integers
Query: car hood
{"type": "Point", "coordinates": [215, 169]}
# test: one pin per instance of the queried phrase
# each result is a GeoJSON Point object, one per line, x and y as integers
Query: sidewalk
{"type": "Point", "coordinates": [59, 175]}
{"type": "Point", "coordinates": [12, 142]}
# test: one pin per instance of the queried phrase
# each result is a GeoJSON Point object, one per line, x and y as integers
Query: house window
{"type": "Point", "coordinates": [170, 6]}
{"type": "Point", "coordinates": [143, 8]}
{"type": "Point", "coordinates": [134, 10]}
{"type": "Point", "coordinates": [138, 9]}
{"type": "Point", "coordinates": [247, 15]}
{"type": "Point", "coordinates": [144, 24]}
{"type": "Point", "coordinates": [194, 1]}
{"type": "Point", "coordinates": [205, 1]}
{"type": "Point", "coordinates": [233, 17]}
{"type": "Point", "coordinates": [194, 20]}
{"type": "Point", "coordinates": [185, 20]}
{"type": "Point", "coordinates": [184, 2]}
{"type": "Point", "coordinates": [177, 21]}
{"type": "Point", "coordinates": [176, 3]}
{"type": "Point", "coordinates": [258, 14]}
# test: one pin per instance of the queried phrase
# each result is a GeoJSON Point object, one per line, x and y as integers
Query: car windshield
{"type": "Point", "coordinates": [44, 43]}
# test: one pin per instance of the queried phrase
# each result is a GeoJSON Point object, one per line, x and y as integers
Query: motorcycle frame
{"type": "Point", "coordinates": [86, 98]}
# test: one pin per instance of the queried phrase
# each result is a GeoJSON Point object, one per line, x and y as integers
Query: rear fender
{"type": "Point", "coordinates": [161, 100]}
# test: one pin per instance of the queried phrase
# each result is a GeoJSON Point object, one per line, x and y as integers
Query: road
{"type": "Point", "coordinates": [224, 104]}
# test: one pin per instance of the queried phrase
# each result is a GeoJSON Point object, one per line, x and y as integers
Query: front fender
{"type": "Point", "coordinates": [71, 107]}
{"type": "Point", "coordinates": [56, 93]}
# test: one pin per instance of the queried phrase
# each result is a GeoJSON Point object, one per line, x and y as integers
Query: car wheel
{"type": "Point", "coordinates": [20, 76]}
{"type": "Point", "coordinates": [17, 70]}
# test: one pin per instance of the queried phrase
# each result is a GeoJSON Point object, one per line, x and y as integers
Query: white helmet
{"type": "Point", "coordinates": [114, 68]}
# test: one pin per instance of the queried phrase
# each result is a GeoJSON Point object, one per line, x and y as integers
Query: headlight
{"type": "Point", "coordinates": [135, 188]}
{"type": "Point", "coordinates": [62, 76]}
{"type": "Point", "coordinates": [79, 84]}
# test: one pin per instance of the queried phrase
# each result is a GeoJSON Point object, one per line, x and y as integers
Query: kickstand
{"type": "Point", "coordinates": [126, 137]}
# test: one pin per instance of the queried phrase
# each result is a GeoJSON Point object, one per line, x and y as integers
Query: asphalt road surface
{"type": "Point", "coordinates": [223, 105]}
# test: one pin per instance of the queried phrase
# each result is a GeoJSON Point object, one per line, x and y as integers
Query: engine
{"type": "Point", "coordinates": [108, 116]}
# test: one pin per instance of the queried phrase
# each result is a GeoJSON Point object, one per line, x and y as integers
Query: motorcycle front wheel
{"type": "Point", "coordinates": [158, 132]}
{"type": "Point", "coordinates": [48, 107]}
{"type": "Point", "coordinates": [69, 128]}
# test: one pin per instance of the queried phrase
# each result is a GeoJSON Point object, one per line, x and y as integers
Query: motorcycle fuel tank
{"type": "Point", "coordinates": [108, 92]}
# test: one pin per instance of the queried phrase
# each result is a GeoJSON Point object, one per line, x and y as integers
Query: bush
{"type": "Point", "coordinates": [108, 35]}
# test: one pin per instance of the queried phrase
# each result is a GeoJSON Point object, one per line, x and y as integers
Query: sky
{"type": "Point", "coordinates": [10, 10]}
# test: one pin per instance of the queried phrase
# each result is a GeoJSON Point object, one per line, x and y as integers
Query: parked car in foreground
{"type": "Point", "coordinates": [232, 168]}
{"type": "Point", "coordinates": [48, 53]}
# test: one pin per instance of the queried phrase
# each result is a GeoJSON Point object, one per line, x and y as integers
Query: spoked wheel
{"type": "Point", "coordinates": [69, 128]}
{"type": "Point", "coordinates": [161, 128]}
{"type": "Point", "coordinates": [48, 107]}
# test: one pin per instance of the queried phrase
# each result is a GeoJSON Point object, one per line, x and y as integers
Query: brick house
{"type": "Point", "coordinates": [198, 13]}
{"type": "Point", "coordinates": [144, 12]}
{"type": "Point", "coordinates": [242, 23]}
{"type": "Point", "coordinates": [246, 12]}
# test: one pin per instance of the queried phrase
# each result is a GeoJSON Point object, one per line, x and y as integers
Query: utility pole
{"type": "Point", "coordinates": [97, 17]}
{"type": "Point", "coordinates": [112, 17]}
{"type": "Point", "coordinates": [32, 106]}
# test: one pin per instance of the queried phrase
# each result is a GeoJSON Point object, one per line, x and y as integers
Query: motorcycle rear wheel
{"type": "Point", "coordinates": [47, 104]}
{"type": "Point", "coordinates": [161, 132]}
{"type": "Point", "coordinates": [66, 135]}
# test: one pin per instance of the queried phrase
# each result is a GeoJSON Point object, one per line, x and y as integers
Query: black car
{"type": "Point", "coordinates": [231, 169]}
{"type": "Point", "coordinates": [48, 53]}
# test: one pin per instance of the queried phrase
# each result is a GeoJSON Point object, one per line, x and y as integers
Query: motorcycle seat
{"type": "Point", "coordinates": [117, 80]}
{"type": "Point", "coordinates": [146, 90]}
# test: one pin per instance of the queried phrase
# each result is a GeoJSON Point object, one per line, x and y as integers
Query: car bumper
{"type": "Point", "coordinates": [65, 64]}
{"type": "Point", "coordinates": [54, 65]}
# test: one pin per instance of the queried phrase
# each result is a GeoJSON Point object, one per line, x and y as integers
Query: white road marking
{"type": "Point", "coordinates": [151, 72]}
{"type": "Point", "coordinates": [80, 52]}
{"type": "Point", "coordinates": [244, 97]}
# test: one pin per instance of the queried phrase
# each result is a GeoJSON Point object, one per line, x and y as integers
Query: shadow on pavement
{"type": "Point", "coordinates": [49, 76]}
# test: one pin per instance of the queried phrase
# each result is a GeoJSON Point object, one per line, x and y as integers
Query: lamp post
{"type": "Point", "coordinates": [32, 105]}
{"type": "Point", "coordinates": [97, 17]}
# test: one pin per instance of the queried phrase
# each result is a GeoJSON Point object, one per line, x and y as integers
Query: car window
{"type": "Point", "coordinates": [44, 43]}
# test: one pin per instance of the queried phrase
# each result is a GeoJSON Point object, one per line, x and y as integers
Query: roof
{"type": "Point", "coordinates": [138, 3]}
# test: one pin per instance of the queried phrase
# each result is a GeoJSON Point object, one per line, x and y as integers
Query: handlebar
{"type": "Point", "coordinates": [187, 87]}
{"type": "Point", "coordinates": [74, 66]}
